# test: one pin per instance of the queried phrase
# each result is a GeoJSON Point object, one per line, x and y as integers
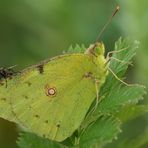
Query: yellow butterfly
{"type": "Point", "coordinates": [52, 99]}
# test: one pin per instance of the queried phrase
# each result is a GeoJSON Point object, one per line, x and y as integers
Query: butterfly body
{"type": "Point", "coordinates": [52, 99]}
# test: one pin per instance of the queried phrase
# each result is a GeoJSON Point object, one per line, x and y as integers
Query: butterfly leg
{"type": "Point", "coordinates": [115, 51]}
{"type": "Point", "coordinates": [119, 78]}
{"type": "Point", "coordinates": [97, 96]}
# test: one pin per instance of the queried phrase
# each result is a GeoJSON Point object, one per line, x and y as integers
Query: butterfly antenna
{"type": "Point", "coordinates": [92, 47]}
{"type": "Point", "coordinates": [106, 25]}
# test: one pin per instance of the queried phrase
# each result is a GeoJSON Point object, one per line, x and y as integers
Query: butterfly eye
{"type": "Point", "coordinates": [50, 91]}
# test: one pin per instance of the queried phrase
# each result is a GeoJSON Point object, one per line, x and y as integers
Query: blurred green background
{"type": "Point", "coordinates": [33, 30]}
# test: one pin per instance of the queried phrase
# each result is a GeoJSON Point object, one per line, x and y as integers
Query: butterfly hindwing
{"type": "Point", "coordinates": [5, 104]}
{"type": "Point", "coordinates": [55, 117]}
{"type": "Point", "coordinates": [51, 99]}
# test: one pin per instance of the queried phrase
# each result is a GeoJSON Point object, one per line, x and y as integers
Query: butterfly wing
{"type": "Point", "coordinates": [5, 106]}
{"type": "Point", "coordinates": [53, 116]}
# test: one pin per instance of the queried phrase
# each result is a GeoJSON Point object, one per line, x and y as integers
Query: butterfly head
{"type": "Point", "coordinates": [99, 49]}
{"type": "Point", "coordinates": [96, 49]}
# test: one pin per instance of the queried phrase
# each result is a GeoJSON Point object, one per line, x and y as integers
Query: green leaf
{"type": "Point", "coordinates": [126, 51]}
{"type": "Point", "coordinates": [120, 96]}
{"type": "Point", "coordinates": [29, 140]}
{"type": "Point", "coordinates": [137, 142]}
{"type": "Point", "coordinates": [103, 130]}
{"type": "Point", "coordinates": [131, 111]}
{"type": "Point", "coordinates": [113, 95]}
{"type": "Point", "coordinates": [76, 49]}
